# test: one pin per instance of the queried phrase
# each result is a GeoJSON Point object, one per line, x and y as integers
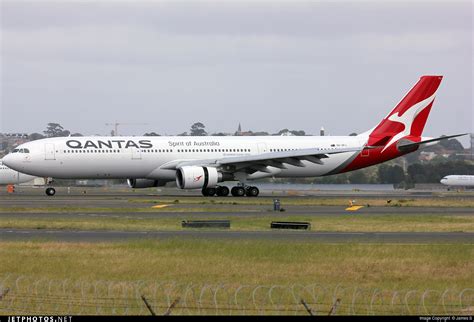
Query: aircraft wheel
{"type": "Point", "coordinates": [50, 191]}
{"type": "Point", "coordinates": [222, 191]}
{"type": "Point", "coordinates": [208, 192]}
{"type": "Point", "coordinates": [252, 192]}
{"type": "Point", "coordinates": [238, 191]}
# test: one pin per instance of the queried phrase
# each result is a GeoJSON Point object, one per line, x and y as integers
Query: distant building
{"type": "Point", "coordinates": [240, 133]}
{"type": "Point", "coordinates": [426, 156]}
{"type": "Point", "coordinates": [8, 141]}
{"type": "Point", "coordinates": [321, 132]}
{"type": "Point", "coordinates": [16, 135]}
{"type": "Point", "coordinates": [287, 133]}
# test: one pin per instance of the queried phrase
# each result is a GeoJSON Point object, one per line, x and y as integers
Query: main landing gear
{"type": "Point", "coordinates": [237, 191]}
{"type": "Point", "coordinates": [50, 191]}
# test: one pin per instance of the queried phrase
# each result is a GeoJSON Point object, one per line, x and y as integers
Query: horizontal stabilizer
{"type": "Point", "coordinates": [408, 145]}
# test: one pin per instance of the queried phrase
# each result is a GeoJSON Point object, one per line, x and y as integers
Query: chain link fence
{"type": "Point", "coordinates": [25, 295]}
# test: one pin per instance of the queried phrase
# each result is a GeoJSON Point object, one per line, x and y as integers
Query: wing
{"type": "Point", "coordinates": [261, 162]}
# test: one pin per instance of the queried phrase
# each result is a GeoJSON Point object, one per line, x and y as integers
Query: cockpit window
{"type": "Point", "coordinates": [21, 151]}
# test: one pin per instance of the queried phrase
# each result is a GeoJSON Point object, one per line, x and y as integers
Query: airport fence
{"type": "Point", "coordinates": [23, 295]}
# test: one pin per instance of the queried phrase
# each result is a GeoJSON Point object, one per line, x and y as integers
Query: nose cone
{"type": "Point", "coordinates": [11, 161]}
{"type": "Point", "coordinates": [443, 181]}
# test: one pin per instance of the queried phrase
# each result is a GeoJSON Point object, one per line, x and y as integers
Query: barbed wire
{"type": "Point", "coordinates": [26, 295]}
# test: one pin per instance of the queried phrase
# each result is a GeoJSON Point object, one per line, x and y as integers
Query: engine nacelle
{"type": "Point", "coordinates": [143, 183]}
{"type": "Point", "coordinates": [192, 177]}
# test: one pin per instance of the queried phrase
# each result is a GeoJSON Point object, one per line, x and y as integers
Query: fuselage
{"type": "Point", "coordinates": [153, 157]}
{"type": "Point", "coordinates": [458, 180]}
{"type": "Point", "coordinates": [9, 176]}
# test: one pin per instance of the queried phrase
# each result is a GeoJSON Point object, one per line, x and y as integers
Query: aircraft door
{"type": "Point", "coordinates": [136, 154]}
{"type": "Point", "coordinates": [262, 147]}
{"type": "Point", "coordinates": [49, 151]}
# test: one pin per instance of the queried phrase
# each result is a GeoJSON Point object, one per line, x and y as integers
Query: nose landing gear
{"type": "Point", "coordinates": [50, 191]}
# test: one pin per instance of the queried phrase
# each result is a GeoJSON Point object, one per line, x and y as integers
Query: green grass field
{"type": "Point", "coordinates": [246, 262]}
{"type": "Point", "coordinates": [351, 222]}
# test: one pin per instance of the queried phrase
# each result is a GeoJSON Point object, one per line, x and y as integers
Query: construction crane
{"type": "Point", "coordinates": [116, 124]}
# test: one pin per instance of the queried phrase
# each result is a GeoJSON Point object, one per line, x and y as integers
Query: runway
{"type": "Point", "coordinates": [247, 211]}
{"type": "Point", "coordinates": [97, 205]}
{"type": "Point", "coordinates": [326, 237]}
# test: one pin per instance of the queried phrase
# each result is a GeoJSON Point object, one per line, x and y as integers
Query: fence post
{"type": "Point", "coordinates": [4, 293]}
{"type": "Point", "coordinates": [334, 307]}
{"type": "Point", "coordinates": [168, 311]}
{"type": "Point", "coordinates": [148, 306]}
{"type": "Point", "coordinates": [306, 307]}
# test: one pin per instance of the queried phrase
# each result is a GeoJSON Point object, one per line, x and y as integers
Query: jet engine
{"type": "Point", "coordinates": [144, 183]}
{"type": "Point", "coordinates": [193, 177]}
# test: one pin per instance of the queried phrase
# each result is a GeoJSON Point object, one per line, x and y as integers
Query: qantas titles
{"type": "Point", "coordinates": [142, 144]}
{"type": "Point", "coordinates": [99, 144]}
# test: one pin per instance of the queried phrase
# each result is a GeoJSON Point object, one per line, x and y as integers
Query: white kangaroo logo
{"type": "Point", "coordinates": [407, 118]}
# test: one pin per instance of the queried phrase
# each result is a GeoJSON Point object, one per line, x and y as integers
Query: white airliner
{"type": "Point", "coordinates": [458, 181]}
{"type": "Point", "coordinates": [9, 176]}
{"type": "Point", "coordinates": [204, 162]}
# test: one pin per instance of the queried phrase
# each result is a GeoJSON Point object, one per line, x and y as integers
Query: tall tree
{"type": "Point", "coordinates": [54, 130]}
{"type": "Point", "coordinates": [390, 174]}
{"type": "Point", "coordinates": [198, 129]}
{"type": "Point", "coordinates": [452, 144]}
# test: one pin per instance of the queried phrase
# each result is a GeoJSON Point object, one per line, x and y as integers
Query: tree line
{"type": "Point", "coordinates": [197, 129]}
{"type": "Point", "coordinates": [426, 172]}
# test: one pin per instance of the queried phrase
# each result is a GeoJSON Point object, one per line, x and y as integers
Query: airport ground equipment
{"type": "Point", "coordinates": [290, 225]}
{"type": "Point", "coordinates": [205, 224]}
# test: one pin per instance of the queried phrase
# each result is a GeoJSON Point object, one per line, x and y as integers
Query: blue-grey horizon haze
{"type": "Point", "coordinates": [267, 65]}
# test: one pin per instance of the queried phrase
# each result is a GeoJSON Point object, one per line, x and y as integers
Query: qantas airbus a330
{"type": "Point", "coordinates": [204, 162]}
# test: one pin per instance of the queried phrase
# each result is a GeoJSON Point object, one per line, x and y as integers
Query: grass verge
{"type": "Point", "coordinates": [246, 262]}
{"type": "Point", "coordinates": [354, 223]}
{"type": "Point", "coordinates": [441, 201]}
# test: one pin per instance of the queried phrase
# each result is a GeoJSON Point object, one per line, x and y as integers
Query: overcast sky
{"type": "Point", "coordinates": [268, 65]}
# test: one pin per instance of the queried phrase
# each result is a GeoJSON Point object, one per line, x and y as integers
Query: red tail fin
{"type": "Point", "coordinates": [406, 121]}
{"type": "Point", "coordinates": [409, 117]}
